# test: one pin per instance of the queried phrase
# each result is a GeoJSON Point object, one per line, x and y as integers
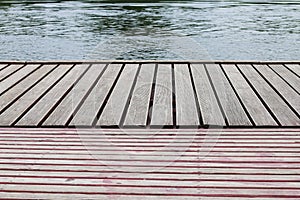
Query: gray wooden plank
{"type": "Point", "coordinates": [294, 67]}
{"type": "Point", "coordinates": [65, 109]}
{"type": "Point", "coordinates": [114, 108]}
{"type": "Point", "coordinates": [9, 71]}
{"type": "Point", "coordinates": [3, 66]}
{"type": "Point", "coordinates": [41, 108]}
{"type": "Point", "coordinates": [162, 111]}
{"type": "Point", "coordinates": [256, 109]}
{"type": "Point", "coordinates": [280, 109]}
{"type": "Point", "coordinates": [232, 107]}
{"type": "Point", "coordinates": [210, 110]}
{"type": "Point", "coordinates": [186, 109]}
{"type": "Point", "coordinates": [291, 78]}
{"type": "Point", "coordinates": [88, 111]}
{"type": "Point", "coordinates": [139, 104]}
{"type": "Point", "coordinates": [17, 76]}
{"type": "Point", "coordinates": [281, 86]}
{"type": "Point", "coordinates": [14, 111]}
{"type": "Point", "coordinates": [14, 92]}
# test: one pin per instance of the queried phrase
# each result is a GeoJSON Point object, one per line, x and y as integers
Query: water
{"type": "Point", "coordinates": [143, 29]}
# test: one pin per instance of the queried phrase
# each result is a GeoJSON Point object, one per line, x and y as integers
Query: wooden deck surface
{"type": "Point", "coordinates": [166, 164]}
{"type": "Point", "coordinates": [150, 94]}
{"type": "Point", "coordinates": [152, 130]}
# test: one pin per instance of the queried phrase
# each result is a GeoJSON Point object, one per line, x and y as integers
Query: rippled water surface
{"type": "Point", "coordinates": [119, 29]}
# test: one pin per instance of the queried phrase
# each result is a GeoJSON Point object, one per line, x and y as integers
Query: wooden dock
{"type": "Point", "coordinates": [149, 94]}
{"type": "Point", "coordinates": [120, 130]}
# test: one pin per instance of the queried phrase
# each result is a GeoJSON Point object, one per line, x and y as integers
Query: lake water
{"type": "Point", "coordinates": [222, 30]}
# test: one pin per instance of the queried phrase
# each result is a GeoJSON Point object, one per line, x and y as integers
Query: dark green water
{"type": "Point", "coordinates": [119, 29]}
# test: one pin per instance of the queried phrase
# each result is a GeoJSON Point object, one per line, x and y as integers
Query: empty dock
{"type": "Point", "coordinates": [150, 129]}
{"type": "Point", "coordinates": [145, 94]}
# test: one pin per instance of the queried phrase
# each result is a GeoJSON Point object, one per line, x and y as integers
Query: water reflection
{"type": "Point", "coordinates": [140, 29]}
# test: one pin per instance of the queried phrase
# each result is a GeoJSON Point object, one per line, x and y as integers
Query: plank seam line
{"type": "Point", "coordinates": [200, 118]}
{"type": "Point", "coordinates": [150, 106]}
{"type": "Point", "coordinates": [291, 70]}
{"type": "Point", "coordinates": [152, 186]}
{"type": "Point", "coordinates": [61, 98]}
{"type": "Point", "coordinates": [97, 117]}
{"type": "Point", "coordinates": [179, 172]}
{"type": "Point", "coordinates": [85, 96]}
{"type": "Point", "coordinates": [41, 96]}
{"type": "Point", "coordinates": [238, 96]}
{"type": "Point", "coordinates": [147, 166]}
{"type": "Point", "coordinates": [277, 92]}
{"type": "Point", "coordinates": [155, 179]}
{"type": "Point", "coordinates": [125, 110]}
{"type": "Point", "coordinates": [154, 194]}
{"type": "Point", "coordinates": [283, 79]}
{"type": "Point", "coordinates": [259, 97]}
{"type": "Point", "coordinates": [20, 80]}
{"type": "Point", "coordinates": [145, 150]}
{"type": "Point", "coordinates": [8, 75]}
{"type": "Point", "coordinates": [5, 66]}
{"type": "Point", "coordinates": [173, 96]}
{"type": "Point", "coordinates": [159, 195]}
{"type": "Point", "coordinates": [216, 96]}
{"type": "Point", "coordinates": [28, 89]}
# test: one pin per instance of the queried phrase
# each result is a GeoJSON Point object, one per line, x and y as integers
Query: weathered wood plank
{"type": "Point", "coordinates": [232, 107]}
{"type": "Point", "coordinates": [291, 78]}
{"type": "Point", "coordinates": [294, 67]}
{"type": "Point", "coordinates": [281, 86]}
{"type": "Point", "coordinates": [8, 71]}
{"type": "Point", "coordinates": [170, 169]}
{"type": "Point", "coordinates": [19, 89]}
{"type": "Point", "coordinates": [139, 104]}
{"type": "Point", "coordinates": [41, 108]}
{"type": "Point", "coordinates": [88, 111]}
{"type": "Point", "coordinates": [113, 188]}
{"type": "Point", "coordinates": [209, 107]}
{"type": "Point", "coordinates": [112, 113]}
{"type": "Point", "coordinates": [15, 110]}
{"type": "Point", "coordinates": [162, 109]}
{"type": "Point", "coordinates": [186, 109]}
{"type": "Point", "coordinates": [66, 108]}
{"type": "Point", "coordinates": [16, 77]}
{"type": "Point", "coordinates": [256, 109]}
{"type": "Point", "coordinates": [3, 66]}
{"type": "Point", "coordinates": [282, 112]}
{"type": "Point", "coordinates": [16, 195]}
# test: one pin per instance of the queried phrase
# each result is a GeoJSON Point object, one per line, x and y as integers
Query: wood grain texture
{"type": "Point", "coordinates": [290, 95]}
{"type": "Point", "coordinates": [8, 97]}
{"type": "Point", "coordinates": [59, 173]}
{"type": "Point", "coordinates": [280, 109]}
{"type": "Point", "coordinates": [291, 78]}
{"type": "Point", "coordinates": [88, 111]}
{"type": "Point", "coordinates": [186, 109]}
{"type": "Point", "coordinates": [232, 107]}
{"type": "Point", "coordinates": [41, 108]}
{"type": "Point", "coordinates": [162, 110]}
{"type": "Point", "coordinates": [155, 95]}
{"type": "Point", "coordinates": [114, 108]}
{"type": "Point", "coordinates": [16, 77]}
{"type": "Point", "coordinates": [8, 71]}
{"type": "Point", "coordinates": [139, 104]}
{"type": "Point", "coordinates": [66, 108]}
{"type": "Point", "coordinates": [294, 67]}
{"type": "Point", "coordinates": [209, 107]}
{"type": "Point", "coordinates": [258, 112]}
{"type": "Point", "coordinates": [3, 66]}
{"type": "Point", "coordinates": [18, 107]}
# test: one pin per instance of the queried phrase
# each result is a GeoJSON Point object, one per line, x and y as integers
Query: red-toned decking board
{"type": "Point", "coordinates": [39, 164]}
